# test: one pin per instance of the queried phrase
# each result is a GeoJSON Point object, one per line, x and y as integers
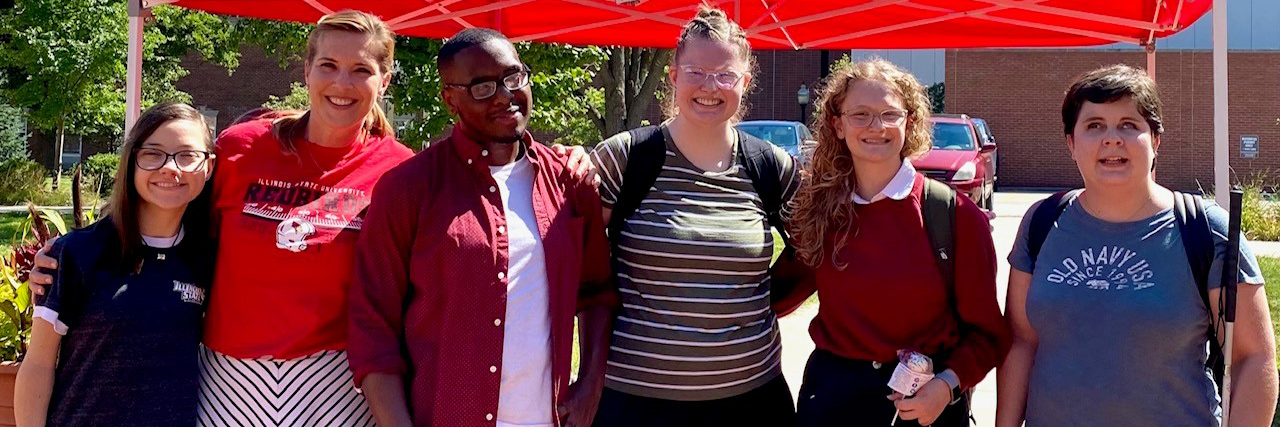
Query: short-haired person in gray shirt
{"type": "Point", "coordinates": [1109, 326]}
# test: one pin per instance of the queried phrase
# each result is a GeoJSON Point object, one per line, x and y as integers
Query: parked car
{"type": "Point", "coordinates": [793, 137]}
{"type": "Point", "coordinates": [961, 157]}
{"type": "Point", "coordinates": [984, 132]}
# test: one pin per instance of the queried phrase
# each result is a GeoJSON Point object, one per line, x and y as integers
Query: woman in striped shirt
{"type": "Point", "coordinates": [695, 341]}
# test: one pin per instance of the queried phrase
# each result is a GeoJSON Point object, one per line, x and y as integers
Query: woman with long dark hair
{"type": "Point", "coordinates": [116, 338]}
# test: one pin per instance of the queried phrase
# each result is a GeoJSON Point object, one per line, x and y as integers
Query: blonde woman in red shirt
{"type": "Point", "coordinates": [861, 243]}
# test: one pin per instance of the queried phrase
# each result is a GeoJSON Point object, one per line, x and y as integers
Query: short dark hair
{"type": "Point", "coordinates": [1109, 84]}
{"type": "Point", "coordinates": [465, 39]}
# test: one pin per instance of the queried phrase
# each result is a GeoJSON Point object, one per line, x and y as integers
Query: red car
{"type": "Point", "coordinates": [961, 157]}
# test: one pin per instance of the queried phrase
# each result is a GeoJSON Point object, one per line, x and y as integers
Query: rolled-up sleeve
{"type": "Point", "coordinates": [381, 279]}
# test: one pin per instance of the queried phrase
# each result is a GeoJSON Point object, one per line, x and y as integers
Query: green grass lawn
{"type": "Point", "coordinates": [9, 223]}
{"type": "Point", "coordinates": [1271, 272]}
{"type": "Point", "coordinates": [10, 231]}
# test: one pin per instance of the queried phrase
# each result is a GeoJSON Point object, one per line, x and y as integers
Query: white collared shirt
{"type": "Point", "coordinates": [898, 188]}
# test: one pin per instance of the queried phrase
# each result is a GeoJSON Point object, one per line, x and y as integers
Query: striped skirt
{"type": "Point", "coordinates": [315, 390]}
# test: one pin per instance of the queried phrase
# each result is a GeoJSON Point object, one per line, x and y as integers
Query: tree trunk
{"type": "Point", "coordinates": [57, 153]}
{"type": "Point", "coordinates": [630, 80]}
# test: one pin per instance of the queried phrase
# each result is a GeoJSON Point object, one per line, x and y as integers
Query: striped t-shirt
{"type": "Point", "coordinates": [695, 322]}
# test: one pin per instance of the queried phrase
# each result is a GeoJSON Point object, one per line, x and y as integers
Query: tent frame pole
{"type": "Point", "coordinates": [1221, 152]}
{"type": "Point", "coordinates": [133, 67]}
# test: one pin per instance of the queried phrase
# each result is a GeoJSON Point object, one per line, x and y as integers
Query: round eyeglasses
{"type": "Point", "coordinates": [149, 159]}
{"type": "Point", "coordinates": [888, 118]}
{"type": "Point", "coordinates": [697, 77]}
{"type": "Point", "coordinates": [482, 90]}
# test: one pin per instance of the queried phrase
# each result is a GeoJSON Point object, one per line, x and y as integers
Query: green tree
{"type": "Point", "coordinates": [63, 61]}
{"type": "Point", "coordinates": [61, 57]}
{"type": "Point", "coordinates": [297, 99]}
{"type": "Point", "coordinates": [13, 137]}
{"type": "Point", "coordinates": [937, 96]}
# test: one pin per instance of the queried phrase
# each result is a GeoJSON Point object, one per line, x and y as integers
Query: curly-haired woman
{"type": "Point", "coordinates": [862, 244]}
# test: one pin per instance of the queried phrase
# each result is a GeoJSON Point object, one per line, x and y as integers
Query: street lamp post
{"type": "Point", "coordinates": [802, 97]}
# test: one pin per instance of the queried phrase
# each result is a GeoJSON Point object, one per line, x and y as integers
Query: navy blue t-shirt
{"type": "Point", "coordinates": [130, 345]}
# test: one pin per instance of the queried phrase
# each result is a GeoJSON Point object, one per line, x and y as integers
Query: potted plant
{"type": "Point", "coordinates": [16, 306]}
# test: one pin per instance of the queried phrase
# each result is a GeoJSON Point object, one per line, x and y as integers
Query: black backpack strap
{"type": "Point", "coordinates": [938, 207]}
{"type": "Point", "coordinates": [644, 162]}
{"type": "Point", "coordinates": [1197, 242]}
{"type": "Point", "coordinates": [1044, 217]}
{"type": "Point", "coordinates": [757, 157]}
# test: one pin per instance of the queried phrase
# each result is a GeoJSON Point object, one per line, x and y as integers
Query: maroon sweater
{"type": "Point", "coordinates": [891, 295]}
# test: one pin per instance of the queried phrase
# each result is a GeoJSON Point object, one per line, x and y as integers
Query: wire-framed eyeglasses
{"type": "Point", "coordinates": [888, 118]}
{"type": "Point", "coordinates": [697, 77]}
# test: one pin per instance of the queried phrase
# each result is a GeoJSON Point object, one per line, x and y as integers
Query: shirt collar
{"type": "Point", "coordinates": [898, 188]}
{"type": "Point", "coordinates": [475, 155]}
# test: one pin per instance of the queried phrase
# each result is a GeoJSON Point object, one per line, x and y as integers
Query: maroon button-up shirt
{"type": "Point", "coordinates": [431, 277]}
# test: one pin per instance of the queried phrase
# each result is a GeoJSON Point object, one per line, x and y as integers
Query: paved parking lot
{"type": "Point", "coordinates": [1009, 208]}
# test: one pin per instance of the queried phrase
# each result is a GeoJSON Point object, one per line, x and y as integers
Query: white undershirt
{"type": "Point", "coordinates": [524, 398]}
{"type": "Point", "coordinates": [163, 242]}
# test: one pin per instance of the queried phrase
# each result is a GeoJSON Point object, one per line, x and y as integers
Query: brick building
{"type": "Point", "coordinates": [1019, 92]}
{"type": "Point", "coordinates": [220, 96]}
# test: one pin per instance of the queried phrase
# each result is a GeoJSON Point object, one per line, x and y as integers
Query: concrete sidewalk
{"type": "Point", "coordinates": [796, 344]}
{"type": "Point", "coordinates": [1265, 249]}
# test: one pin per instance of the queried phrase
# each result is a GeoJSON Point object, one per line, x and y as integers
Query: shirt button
{"type": "Point", "coordinates": [488, 417]}
{"type": "Point", "coordinates": [497, 322]}
{"type": "Point", "coordinates": [484, 152]}
{"type": "Point", "coordinates": [468, 161]}
{"type": "Point", "coordinates": [493, 369]}
{"type": "Point", "coordinates": [492, 189]}
{"type": "Point", "coordinates": [502, 229]}
{"type": "Point", "coordinates": [501, 275]}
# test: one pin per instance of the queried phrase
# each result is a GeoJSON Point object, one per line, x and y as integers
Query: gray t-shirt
{"type": "Point", "coordinates": [1122, 328]}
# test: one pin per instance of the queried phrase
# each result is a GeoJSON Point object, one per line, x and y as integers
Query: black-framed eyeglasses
{"type": "Point", "coordinates": [513, 81]}
{"type": "Point", "coordinates": [149, 159]}
{"type": "Point", "coordinates": [888, 118]}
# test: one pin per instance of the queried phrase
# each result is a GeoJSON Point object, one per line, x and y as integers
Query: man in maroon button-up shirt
{"type": "Point", "coordinates": [437, 255]}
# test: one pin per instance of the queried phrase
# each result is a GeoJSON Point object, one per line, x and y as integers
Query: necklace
{"type": "Point", "coordinates": [1084, 202]}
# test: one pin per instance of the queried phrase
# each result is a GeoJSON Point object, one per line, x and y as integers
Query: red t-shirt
{"type": "Point", "coordinates": [287, 234]}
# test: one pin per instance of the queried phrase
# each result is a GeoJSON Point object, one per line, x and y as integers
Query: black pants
{"type": "Point", "coordinates": [844, 392]}
{"type": "Point", "coordinates": [767, 406]}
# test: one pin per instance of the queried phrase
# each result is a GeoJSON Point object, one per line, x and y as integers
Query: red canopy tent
{"type": "Point", "coordinates": [770, 24]}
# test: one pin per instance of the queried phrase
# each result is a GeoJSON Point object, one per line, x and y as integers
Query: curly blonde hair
{"type": "Point", "coordinates": [823, 202]}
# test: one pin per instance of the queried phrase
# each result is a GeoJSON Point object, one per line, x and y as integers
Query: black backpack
{"type": "Point", "coordinates": [649, 152]}
{"type": "Point", "coordinates": [1197, 242]}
